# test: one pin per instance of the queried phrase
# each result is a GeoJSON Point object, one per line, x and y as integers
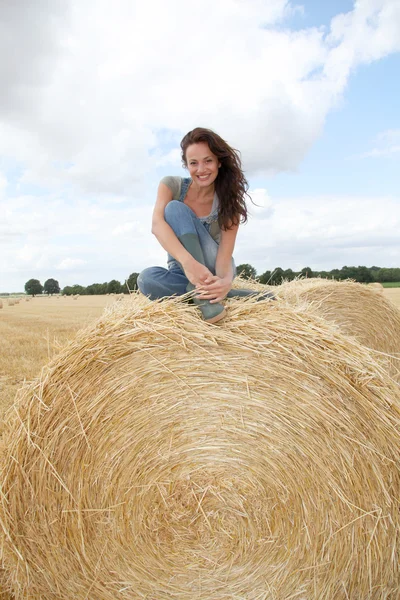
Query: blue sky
{"type": "Point", "coordinates": [97, 100]}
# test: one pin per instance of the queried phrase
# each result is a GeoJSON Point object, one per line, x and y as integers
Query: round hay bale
{"type": "Point", "coordinates": [161, 457]}
{"type": "Point", "coordinates": [376, 286]}
{"type": "Point", "coordinates": [1, 304]}
{"type": "Point", "coordinates": [356, 308]}
{"type": "Point", "coordinates": [250, 284]}
{"type": "Point", "coordinates": [10, 302]}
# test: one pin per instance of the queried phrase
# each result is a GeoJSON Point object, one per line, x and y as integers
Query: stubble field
{"type": "Point", "coordinates": [33, 331]}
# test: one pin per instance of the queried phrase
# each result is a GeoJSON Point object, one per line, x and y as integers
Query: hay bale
{"type": "Point", "coordinates": [1, 304]}
{"type": "Point", "coordinates": [164, 458]}
{"type": "Point", "coordinates": [376, 286]}
{"type": "Point", "coordinates": [356, 309]}
{"type": "Point", "coordinates": [10, 302]}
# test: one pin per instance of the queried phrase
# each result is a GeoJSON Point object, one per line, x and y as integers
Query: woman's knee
{"type": "Point", "coordinates": [175, 210]}
{"type": "Point", "coordinates": [145, 279]}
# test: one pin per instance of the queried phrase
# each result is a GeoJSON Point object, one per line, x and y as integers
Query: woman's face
{"type": "Point", "coordinates": [203, 165]}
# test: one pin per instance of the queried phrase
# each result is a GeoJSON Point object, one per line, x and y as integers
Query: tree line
{"type": "Point", "coordinates": [361, 274]}
{"type": "Point", "coordinates": [33, 287]}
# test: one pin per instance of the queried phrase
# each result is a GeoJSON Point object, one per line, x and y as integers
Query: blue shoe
{"type": "Point", "coordinates": [212, 313]}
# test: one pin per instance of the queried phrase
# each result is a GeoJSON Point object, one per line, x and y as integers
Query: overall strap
{"type": "Point", "coordinates": [186, 181]}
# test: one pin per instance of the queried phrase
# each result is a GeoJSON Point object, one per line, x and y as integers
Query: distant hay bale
{"type": "Point", "coordinates": [357, 309]}
{"type": "Point", "coordinates": [1, 303]}
{"type": "Point", "coordinates": [376, 286]}
{"type": "Point", "coordinates": [10, 302]}
{"type": "Point", "coordinates": [161, 457]}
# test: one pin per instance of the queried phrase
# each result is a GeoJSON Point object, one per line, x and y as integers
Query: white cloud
{"type": "Point", "coordinates": [123, 229]}
{"type": "Point", "coordinates": [70, 263]}
{"type": "Point", "coordinates": [320, 232]}
{"type": "Point", "coordinates": [96, 97]}
{"type": "Point", "coordinates": [3, 185]}
{"type": "Point", "coordinates": [387, 144]}
{"type": "Point", "coordinates": [326, 231]}
{"type": "Point", "coordinates": [107, 81]}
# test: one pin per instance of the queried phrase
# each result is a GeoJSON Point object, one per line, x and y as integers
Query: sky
{"type": "Point", "coordinates": [96, 96]}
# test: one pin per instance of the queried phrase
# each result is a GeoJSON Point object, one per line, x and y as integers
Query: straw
{"type": "Point", "coordinates": [358, 310]}
{"type": "Point", "coordinates": [159, 457]}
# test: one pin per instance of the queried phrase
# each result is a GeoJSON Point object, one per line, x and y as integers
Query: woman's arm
{"type": "Point", "coordinates": [223, 265]}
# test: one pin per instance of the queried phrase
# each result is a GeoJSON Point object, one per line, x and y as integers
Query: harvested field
{"type": "Point", "coordinates": [32, 332]}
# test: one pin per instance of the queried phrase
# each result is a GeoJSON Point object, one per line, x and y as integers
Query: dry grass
{"type": "Point", "coordinates": [160, 457]}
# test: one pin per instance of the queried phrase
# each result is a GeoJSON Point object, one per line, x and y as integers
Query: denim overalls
{"type": "Point", "coordinates": [158, 282]}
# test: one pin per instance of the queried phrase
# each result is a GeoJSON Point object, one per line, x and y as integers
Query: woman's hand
{"type": "Point", "coordinates": [196, 272]}
{"type": "Point", "coordinates": [214, 288]}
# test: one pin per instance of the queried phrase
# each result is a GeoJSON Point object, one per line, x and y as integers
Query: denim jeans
{"type": "Point", "coordinates": [158, 282]}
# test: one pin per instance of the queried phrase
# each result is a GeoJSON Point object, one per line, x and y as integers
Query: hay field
{"type": "Point", "coordinates": [393, 294]}
{"type": "Point", "coordinates": [32, 332]}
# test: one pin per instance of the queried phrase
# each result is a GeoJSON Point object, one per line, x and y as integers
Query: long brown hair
{"type": "Point", "coordinates": [230, 185]}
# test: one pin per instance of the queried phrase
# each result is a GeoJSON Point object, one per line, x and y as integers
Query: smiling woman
{"type": "Point", "coordinates": [196, 220]}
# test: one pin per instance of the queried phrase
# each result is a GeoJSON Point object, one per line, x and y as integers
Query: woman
{"type": "Point", "coordinates": [196, 220]}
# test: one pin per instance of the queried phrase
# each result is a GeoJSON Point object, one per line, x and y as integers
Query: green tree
{"type": "Point", "coordinates": [67, 290]}
{"type": "Point", "coordinates": [364, 275]}
{"type": "Point", "coordinates": [289, 275]}
{"type": "Point", "coordinates": [246, 271]}
{"type": "Point", "coordinates": [335, 274]}
{"type": "Point", "coordinates": [51, 286]}
{"type": "Point", "coordinates": [97, 289]}
{"type": "Point", "coordinates": [276, 276]}
{"type": "Point", "coordinates": [306, 272]}
{"type": "Point", "coordinates": [348, 272]}
{"type": "Point", "coordinates": [71, 290]}
{"type": "Point", "coordinates": [132, 281]}
{"type": "Point", "coordinates": [114, 287]}
{"type": "Point", "coordinates": [265, 278]}
{"type": "Point", "coordinates": [33, 287]}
